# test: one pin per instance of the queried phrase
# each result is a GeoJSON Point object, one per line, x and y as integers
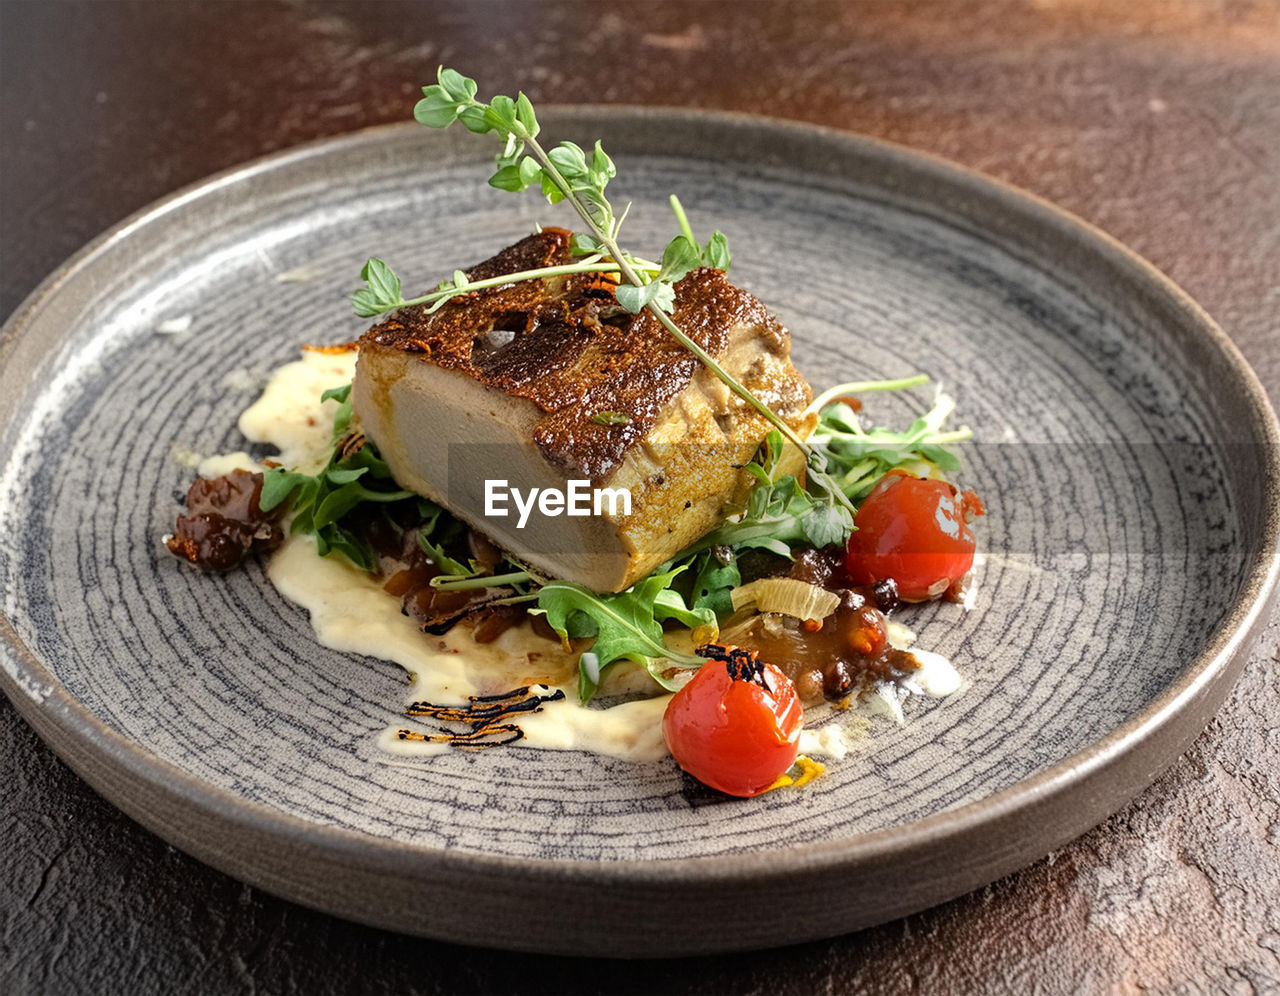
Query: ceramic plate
{"type": "Point", "coordinates": [1126, 454]}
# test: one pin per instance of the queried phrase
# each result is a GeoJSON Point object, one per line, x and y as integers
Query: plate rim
{"type": "Point", "coordinates": [58, 714]}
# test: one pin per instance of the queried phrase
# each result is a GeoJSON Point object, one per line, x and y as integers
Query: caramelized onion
{"type": "Point", "coordinates": [788, 596]}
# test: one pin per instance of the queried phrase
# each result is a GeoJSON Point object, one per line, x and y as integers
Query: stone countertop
{"type": "Point", "coordinates": [1157, 121]}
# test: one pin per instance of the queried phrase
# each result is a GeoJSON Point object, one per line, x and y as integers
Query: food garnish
{"type": "Point", "coordinates": [485, 720]}
{"type": "Point", "coordinates": [789, 596]}
{"type": "Point", "coordinates": [623, 626]}
{"type": "Point", "coordinates": [914, 530]}
{"type": "Point", "coordinates": [736, 725]}
{"type": "Point", "coordinates": [321, 504]}
{"type": "Point", "coordinates": [806, 770]}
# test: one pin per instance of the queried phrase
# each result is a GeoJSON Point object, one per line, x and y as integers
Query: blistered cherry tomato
{"type": "Point", "coordinates": [736, 725]}
{"type": "Point", "coordinates": [914, 530]}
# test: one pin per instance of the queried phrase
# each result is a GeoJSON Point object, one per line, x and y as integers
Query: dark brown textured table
{"type": "Point", "coordinates": [1157, 120]}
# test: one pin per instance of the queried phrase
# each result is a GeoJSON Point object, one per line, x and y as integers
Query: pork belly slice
{"type": "Point", "coordinates": [503, 384]}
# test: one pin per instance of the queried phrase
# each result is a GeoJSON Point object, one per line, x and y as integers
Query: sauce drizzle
{"type": "Point", "coordinates": [483, 717]}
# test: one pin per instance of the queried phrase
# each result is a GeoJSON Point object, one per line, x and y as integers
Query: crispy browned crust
{"type": "Point", "coordinates": [567, 346]}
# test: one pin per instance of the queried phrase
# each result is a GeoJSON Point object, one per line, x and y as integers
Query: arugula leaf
{"type": "Point", "coordinates": [278, 484]}
{"type": "Point", "coordinates": [670, 604]}
{"type": "Point", "coordinates": [436, 552]}
{"type": "Point", "coordinates": [625, 626]}
{"type": "Point", "coordinates": [713, 582]}
{"type": "Point", "coordinates": [827, 523]}
{"type": "Point", "coordinates": [781, 515]}
{"type": "Point", "coordinates": [342, 416]}
{"type": "Point", "coordinates": [336, 504]}
{"type": "Point", "coordinates": [341, 476]}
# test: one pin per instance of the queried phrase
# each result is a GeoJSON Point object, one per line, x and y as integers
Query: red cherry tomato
{"type": "Point", "coordinates": [914, 530]}
{"type": "Point", "coordinates": [736, 725]}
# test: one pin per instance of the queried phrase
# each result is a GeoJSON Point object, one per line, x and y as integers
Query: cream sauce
{"type": "Point", "coordinates": [290, 415]}
{"type": "Point", "coordinates": [350, 612]}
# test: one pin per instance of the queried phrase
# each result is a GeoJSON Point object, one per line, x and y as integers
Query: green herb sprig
{"type": "Point", "coordinates": [566, 173]}
{"type": "Point", "coordinates": [780, 513]}
{"type": "Point", "coordinates": [694, 590]}
{"type": "Point", "coordinates": [859, 457]}
{"type": "Point", "coordinates": [843, 460]}
{"type": "Point", "coordinates": [382, 292]}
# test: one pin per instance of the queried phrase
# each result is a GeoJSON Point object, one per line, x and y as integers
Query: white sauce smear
{"type": "Point", "coordinates": [350, 612]}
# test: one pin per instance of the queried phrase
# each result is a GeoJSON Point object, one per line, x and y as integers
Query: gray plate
{"type": "Point", "coordinates": [1126, 452]}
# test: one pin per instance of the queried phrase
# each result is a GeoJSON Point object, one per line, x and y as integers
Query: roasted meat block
{"type": "Point", "coordinates": [540, 383]}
